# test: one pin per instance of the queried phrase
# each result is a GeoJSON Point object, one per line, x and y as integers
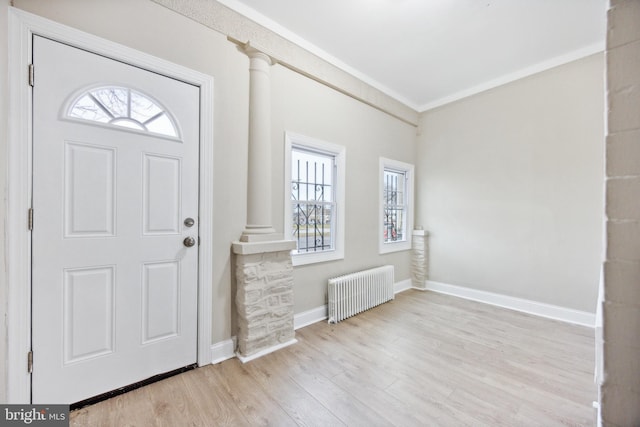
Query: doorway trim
{"type": "Point", "coordinates": [22, 27]}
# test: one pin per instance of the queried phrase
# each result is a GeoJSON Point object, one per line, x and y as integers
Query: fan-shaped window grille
{"type": "Point", "coordinates": [123, 107]}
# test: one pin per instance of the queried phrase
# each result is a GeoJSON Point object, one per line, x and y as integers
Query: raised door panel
{"type": "Point", "coordinates": [89, 190]}
{"type": "Point", "coordinates": [89, 313]}
{"type": "Point", "coordinates": [162, 194]}
{"type": "Point", "coordinates": [160, 300]}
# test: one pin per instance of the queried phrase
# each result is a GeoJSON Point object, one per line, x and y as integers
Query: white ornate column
{"type": "Point", "coordinates": [419, 258]}
{"type": "Point", "coordinates": [264, 272]}
{"type": "Point", "coordinates": [259, 225]}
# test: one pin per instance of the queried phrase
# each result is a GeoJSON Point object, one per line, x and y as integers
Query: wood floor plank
{"type": "Point", "coordinates": [272, 373]}
{"type": "Point", "coordinates": [387, 406]}
{"type": "Point", "coordinates": [421, 359]}
{"type": "Point", "coordinates": [258, 408]}
{"type": "Point", "coordinates": [172, 404]}
{"type": "Point", "coordinates": [216, 405]}
{"type": "Point", "coordinates": [350, 410]}
{"type": "Point", "coordinates": [343, 405]}
{"type": "Point", "coordinates": [433, 404]}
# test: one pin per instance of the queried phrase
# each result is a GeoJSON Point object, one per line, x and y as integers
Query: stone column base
{"type": "Point", "coordinates": [264, 298]}
{"type": "Point", "coordinates": [419, 257]}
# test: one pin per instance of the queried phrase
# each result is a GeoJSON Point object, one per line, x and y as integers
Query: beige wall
{"type": "Point", "coordinates": [620, 388]}
{"type": "Point", "coordinates": [306, 107]}
{"type": "Point", "coordinates": [299, 105]}
{"type": "Point", "coordinates": [510, 187]}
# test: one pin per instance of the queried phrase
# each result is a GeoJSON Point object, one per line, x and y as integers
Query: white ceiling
{"type": "Point", "coordinates": [426, 53]}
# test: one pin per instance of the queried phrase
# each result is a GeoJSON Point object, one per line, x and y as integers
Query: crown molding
{"type": "Point", "coordinates": [520, 74]}
{"type": "Point", "coordinates": [305, 60]}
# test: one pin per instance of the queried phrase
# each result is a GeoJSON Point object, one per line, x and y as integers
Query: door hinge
{"type": "Point", "coordinates": [30, 219]}
{"type": "Point", "coordinates": [31, 75]}
{"type": "Point", "coordinates": [30, 362]}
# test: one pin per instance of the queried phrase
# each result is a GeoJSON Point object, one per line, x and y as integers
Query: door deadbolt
{"type": "Point", "coordinates": [189, 241]}
{"type": "Point", "coordinates": [189, 222]}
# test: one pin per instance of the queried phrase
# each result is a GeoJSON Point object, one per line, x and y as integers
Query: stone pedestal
{"type": "Point", "coordinates": [419, 259]}
{"type": "Point", "coordinates": [264, 298]}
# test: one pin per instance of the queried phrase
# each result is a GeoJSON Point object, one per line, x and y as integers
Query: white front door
{"type": "Point", "coordinates": [115, 182]}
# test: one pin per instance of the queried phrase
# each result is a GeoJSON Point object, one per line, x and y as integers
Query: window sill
{"type": "Point", "coordinates": [386, 248]}
{"type": "Point", "coordinates": [316, 257]}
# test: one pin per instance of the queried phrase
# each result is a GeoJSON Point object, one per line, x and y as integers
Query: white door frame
{"type": "Point", "coordinates": [22, 26]}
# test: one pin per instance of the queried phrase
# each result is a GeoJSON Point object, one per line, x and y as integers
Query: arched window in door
{"type": "Point", "coordinates": [123, 107]}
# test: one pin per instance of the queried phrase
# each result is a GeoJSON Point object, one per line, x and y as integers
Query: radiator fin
{"type": "Point", "coordinates": [356, 292]}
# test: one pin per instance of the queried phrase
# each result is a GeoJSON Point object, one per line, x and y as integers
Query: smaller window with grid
{"type": "Point", "coordinates": [396, 185]}
{"type": "Point", "coordinates": [314, 172]}
{"type": "Point", "coordinates": [312, 199]}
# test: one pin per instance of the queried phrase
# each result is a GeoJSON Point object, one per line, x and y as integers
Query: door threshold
{"type": "Point", "coordinates": [113, 393]}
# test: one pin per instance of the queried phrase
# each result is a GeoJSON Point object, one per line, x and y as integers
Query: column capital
{"type": "Point", "coordinates": [253, 51]}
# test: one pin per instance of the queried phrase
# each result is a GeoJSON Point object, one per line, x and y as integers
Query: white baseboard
{"type": "Point", "coordinates": [519, 304]}
{"type": "Point", "coordinates": [245, 359]}
{"type": "Point", "coordinates": [401, 286]}
{"type": "Point", "coordinates": [310, 317]}
{"type": "Point", "coordinates": [223, 350]}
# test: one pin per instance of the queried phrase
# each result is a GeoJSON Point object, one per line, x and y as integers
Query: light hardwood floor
{"type": "Point", "coordinates": [424, 359]}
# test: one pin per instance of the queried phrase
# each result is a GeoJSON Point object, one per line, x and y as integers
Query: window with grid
{"type": "Point", "coordinates": [395, 209]}
{"type": "Point", "coordinates": [396, 179]}
{"type": "Point", "coordinates": [312, 199]}
{"type": "Point", "coordinates": [314, 190]}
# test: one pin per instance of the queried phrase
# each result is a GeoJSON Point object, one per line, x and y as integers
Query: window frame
{"type": "Point", "coordinates": [293, 140]}
{"type": "Point", "coordinates": [408, 170]}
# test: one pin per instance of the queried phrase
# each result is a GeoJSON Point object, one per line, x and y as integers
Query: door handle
{"type": "Point", "coordinates": [189, 241]}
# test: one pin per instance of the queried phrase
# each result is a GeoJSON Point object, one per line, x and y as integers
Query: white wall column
{"type": "Point", "coordinates": [264, 272]}
{"type": "Point", "coordinates": [259, 223]}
